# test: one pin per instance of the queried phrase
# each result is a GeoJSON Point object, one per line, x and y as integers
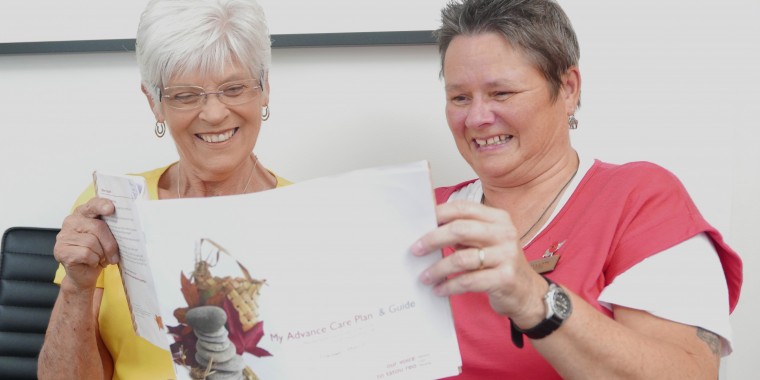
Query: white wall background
{"type": "Point", "coordinates": [71, 20]}
{"type": "Point", "coordinates": [672, 82]}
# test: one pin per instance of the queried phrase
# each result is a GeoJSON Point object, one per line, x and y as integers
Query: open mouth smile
{"type": "Point", "coordinates": [217, 137]}
{"type": "Point", "coordinates": [492, 141]}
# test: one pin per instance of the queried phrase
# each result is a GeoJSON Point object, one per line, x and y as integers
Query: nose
{"type": "Point", "coordinates": [479, 113]}
{"type": "Point", "coordinates": [213, 110]}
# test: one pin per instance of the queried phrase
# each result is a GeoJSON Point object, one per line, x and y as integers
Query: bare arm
{"type": "Point", "coordinates": [633, 345]}
{"type": "Point", "coordinates": [73, 348]}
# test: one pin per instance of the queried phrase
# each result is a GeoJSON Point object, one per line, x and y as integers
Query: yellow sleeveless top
{"type": "Point", "coordinates": [133, 356]}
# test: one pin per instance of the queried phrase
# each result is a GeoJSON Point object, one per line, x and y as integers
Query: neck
{"type": "Point", "coordinates": [240, 183]}
{"type": "Point", "coordinates": [533, 201]}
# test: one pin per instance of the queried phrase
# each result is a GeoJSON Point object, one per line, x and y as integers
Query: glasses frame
{"type": "Point", "coordinates": [203, 95]}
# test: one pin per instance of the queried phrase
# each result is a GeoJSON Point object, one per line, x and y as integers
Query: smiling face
{"type": "Point", "coordinates": [214, 139]}
{"type": "Point", "coordinates": [500, 109]}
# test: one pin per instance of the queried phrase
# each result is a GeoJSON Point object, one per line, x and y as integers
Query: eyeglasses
{"type": "Point", "coordinates": [231, 93]}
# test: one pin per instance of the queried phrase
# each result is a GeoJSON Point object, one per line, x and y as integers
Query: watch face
{"type": "Point", "coordinates": [562, 305]}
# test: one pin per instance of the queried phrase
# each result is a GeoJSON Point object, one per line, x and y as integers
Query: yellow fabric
{"type": "Point", "coordinates": [134, 357]}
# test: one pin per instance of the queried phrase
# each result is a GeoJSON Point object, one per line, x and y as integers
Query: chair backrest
{"type": "Point", "coordinates": [27, 295]}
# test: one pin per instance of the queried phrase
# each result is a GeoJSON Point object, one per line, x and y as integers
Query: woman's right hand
{"type": "Point", "coordinates": [85, 244]}
{"type": "Point", "coordinates": [73, 347]}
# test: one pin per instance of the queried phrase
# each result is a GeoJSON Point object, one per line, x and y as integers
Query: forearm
{"type": "Point", "coordinates": [71, 350]}
{"type": "Point", "coordinates": [590, 345]}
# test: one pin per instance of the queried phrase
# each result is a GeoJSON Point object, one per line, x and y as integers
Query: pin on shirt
{"type": "Point", "coordinates": [549, 260]}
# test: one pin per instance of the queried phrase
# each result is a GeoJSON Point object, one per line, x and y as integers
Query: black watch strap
{"type": "Point", "coordinates": [544, 328]}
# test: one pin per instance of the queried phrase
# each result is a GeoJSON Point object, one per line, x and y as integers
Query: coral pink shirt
{"type": "Point", "coordinates": [617, 216]}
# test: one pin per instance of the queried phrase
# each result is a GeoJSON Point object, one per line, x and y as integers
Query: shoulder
{"type": "Point", "coordinates": [636, 180]}
{"type": "Point", "coordinates": [634, 172]}
{"type": "Point", "coordinates": [442, 194]}
{"type": "Point", "coordinates": [155, 174]}
{"type": "Point", "coordinates": [637, 188]}
{"type": "Point", "coordinates": [655, 212]}
{"type": "Point", "coordinates": [281, 182]}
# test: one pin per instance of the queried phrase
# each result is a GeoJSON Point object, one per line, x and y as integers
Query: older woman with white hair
{"type": "Point", "coordinates": [204, 66]}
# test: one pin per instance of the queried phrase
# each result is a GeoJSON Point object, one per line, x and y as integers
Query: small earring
{"type": "Point", "coordinates": [160, 129]}
{"type": "Point", "coordinates": [265, 113]}
{"type": "Point", "coordinates": [572, 122]}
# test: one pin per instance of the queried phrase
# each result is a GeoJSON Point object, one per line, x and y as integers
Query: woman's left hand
{"type": "Point", "coordinates": [488, 258]}
{"type": "Point", "coordinates": [648, 346]}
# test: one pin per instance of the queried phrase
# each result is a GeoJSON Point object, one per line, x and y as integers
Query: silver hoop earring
{"type": "Point", "coordinates": [265, 113]}
{"type": "Point", "coordinates": [572, 122]}
{"type": "Point", "coordinates": [160, 129]}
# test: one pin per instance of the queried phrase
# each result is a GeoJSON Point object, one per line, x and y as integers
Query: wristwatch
{"type": "Point", "coordinates": [558, 308]}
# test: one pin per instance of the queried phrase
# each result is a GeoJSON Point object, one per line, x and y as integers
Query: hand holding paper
{"type": "Point", "coordinates": [136, 275]}
{"type": "Point", "coordinates": [312, 280]}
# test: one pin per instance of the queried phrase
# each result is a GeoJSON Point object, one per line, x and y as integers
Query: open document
{"type": "Point", "coordinates": [314, 280]}
{"type": "Point", "coordinates": [136, 275]}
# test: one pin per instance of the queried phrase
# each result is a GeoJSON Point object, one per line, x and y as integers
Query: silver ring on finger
{"type": "Point", "coordinates": [481, 258]}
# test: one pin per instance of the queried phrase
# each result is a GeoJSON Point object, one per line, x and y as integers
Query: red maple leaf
{"type": "Point", "coordinates": [245, 341]}
{"type": "Point", "coordinates": [189, 291]}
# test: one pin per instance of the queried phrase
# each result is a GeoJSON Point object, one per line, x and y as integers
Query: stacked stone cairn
{"type": "Point", "coordinates": [214, 350]}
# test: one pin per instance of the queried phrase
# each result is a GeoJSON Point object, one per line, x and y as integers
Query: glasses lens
{"type": "Point", "coordinates": [238, 92]}
{"type": "Point", "coordinates": [231, 94]}
{"type": "Point", "coordinates": [183, 97]}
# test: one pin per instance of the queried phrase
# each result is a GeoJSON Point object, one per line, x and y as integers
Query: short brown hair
{"type": "Point", "coordinates": [540, 28]}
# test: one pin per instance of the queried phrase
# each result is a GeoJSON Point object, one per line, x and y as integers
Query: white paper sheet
{"type": "Point", "coordinates": [135, 271]}
{"type": "Point", "coordinates": [338, 292]}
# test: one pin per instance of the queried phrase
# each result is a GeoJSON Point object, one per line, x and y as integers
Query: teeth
{"type": "Point", "coordinates": [496, 140]}
{"type": "Point", "coordinates": [217, 138]}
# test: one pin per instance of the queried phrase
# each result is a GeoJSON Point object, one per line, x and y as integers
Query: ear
{"type": "Point", "coordinates": [155, 108]}
{"type": "Point", "coordinates": [570, 92]}
{"type": "Point", "coordinates": [265, 90]}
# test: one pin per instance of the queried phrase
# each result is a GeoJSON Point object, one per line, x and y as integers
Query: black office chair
{"type": "Point", "coordinates": [27, 295]}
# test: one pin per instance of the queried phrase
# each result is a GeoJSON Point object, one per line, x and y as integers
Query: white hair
{"type": "Point", "coordinates": [177, 37]}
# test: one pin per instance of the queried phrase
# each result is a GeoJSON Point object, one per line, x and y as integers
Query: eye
{"type": "Point", "coordinates": [234, 89]}
{"type": "Point", "coordinates": [459, 100]}
{"type": "Point", "coordinates": [502, 95]}
{"type": "Point", "coordinates": [185, 97]}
